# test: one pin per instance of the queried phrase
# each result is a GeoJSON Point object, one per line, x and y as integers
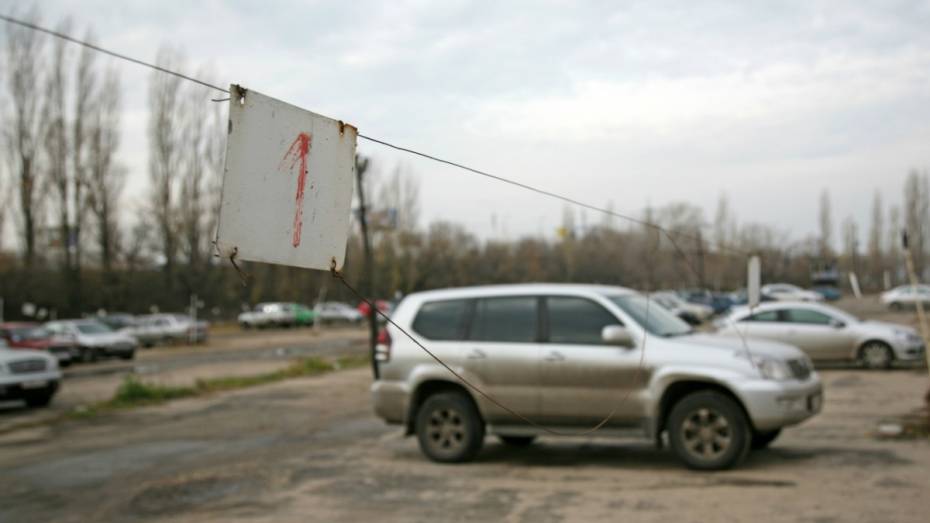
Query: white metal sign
{"type": "Point", "coordinates": [287, 189]}
{"type": "Point", "coordinates": [753, 281]}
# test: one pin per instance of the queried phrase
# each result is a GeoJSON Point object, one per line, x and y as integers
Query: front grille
{"type": "Point", "coordinates": [799, 369]}
{"type": "Point", "coordinates": [27, 366]}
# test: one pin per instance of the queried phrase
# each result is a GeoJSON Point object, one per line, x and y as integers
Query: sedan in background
{"type": "Point", "coordinates": [826, 333]}
{"type": "Point", "coordinates": [26, 335]}
{"type": "Point", "coordinates": [906, 296]}
{"type": "Point", "coordinates": [788, 292]}
{"type": "Point", "coordinates": [829, 292]}
{"type": "Point", "coordinates": [693, 313]}
{"type": "Point", "coordinates": [95, 340]}
{"type": "Point", "coordinates": [169, 328]}
{"type": "Point", "coordinates": [336, 312]}
{"type": "Point", "coordinates": [28, 375]}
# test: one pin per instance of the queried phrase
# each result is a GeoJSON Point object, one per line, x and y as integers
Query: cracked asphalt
{"type": "Point", "coordinates": [311, 450]}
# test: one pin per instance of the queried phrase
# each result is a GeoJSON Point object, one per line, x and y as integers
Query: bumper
{"type": "Point", "coordinates": [18, 387]}
{"type": "Point", "coordinates": [390, 401]}
{"type": "Point", "coordinates": [909, 351]}
{"type": "Point", "coordinates": [775, 404]}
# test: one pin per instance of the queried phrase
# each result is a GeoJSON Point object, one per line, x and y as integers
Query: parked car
{"type": "Point", "coordinates": [95, 340]}
{"type": "Point", "coordinates": [118, 322]}
{"type": "Point", "coordinates": [741, 297]}
{"type": "Point", "coordinates": [26, 335]}
{"type": "Point", "coordinates": [828, 292]}
{"type": "Point", "coordinates": [169, 328]}
{"type": "Point", "coordinates": [693, 313]}
{"type": "Point", "coordinates": [303, 315]}
{"type": "Point", "coordinates": [906, 296]}
{"type": "Point", "coordinates": [28, 375]}
{"type": "Point", "coordinates": [719, 303]}
{"type": "Point", "coordinates": [826, 333]}
{"type": "Point", "coordinates": [273, 314]}
{"type": "Point", "coordinates": [336, 312]}
{"type": "Point", "coordinates": [788, 292]}
{"type": "Point", "coordinates": [568, 356]}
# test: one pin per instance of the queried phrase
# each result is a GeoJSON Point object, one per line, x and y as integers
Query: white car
{"type": "Point", "coordinates": [906, 296]}
{"type": "Point", "coordinates": [826, 333]}
{"type": "Point", "coordinates": [95, 340]}
{"type": "Point", "coordinates": [269, 315]}
{"type": "Point", "coordinates": [788, 292]}
{"type": "Point", "coordinates": [334, 312]}
{"type": "Point", "coordinates": [680, 307]}
{"type": "Point", "coordinates": [169, 328]}
{"type": "Point", "coordinates": [28, 375]}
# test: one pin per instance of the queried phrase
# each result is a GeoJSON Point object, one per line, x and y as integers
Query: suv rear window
{"type": "Point", "coordinates": [441, 320]}
{"type": "Point", "coordinates": [506, 319]}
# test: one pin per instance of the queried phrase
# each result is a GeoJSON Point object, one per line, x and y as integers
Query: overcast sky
{"type": "Point", "coordinates": [628, 102]}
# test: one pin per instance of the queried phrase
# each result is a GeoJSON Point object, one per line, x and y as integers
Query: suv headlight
{"type": "Point", "coordinates": [772, 369]}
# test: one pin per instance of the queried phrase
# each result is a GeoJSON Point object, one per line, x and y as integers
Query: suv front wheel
{"type": "Point", "coordinates": [449, 428]}
{"type": "Point", "coordinates": [708, 431]}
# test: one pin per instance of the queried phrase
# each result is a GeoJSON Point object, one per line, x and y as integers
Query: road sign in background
{"type": "Point", "coordinates": [287, 188]}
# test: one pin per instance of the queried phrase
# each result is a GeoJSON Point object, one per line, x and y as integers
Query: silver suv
{"type": "Point", "coordinates": [567, 356]}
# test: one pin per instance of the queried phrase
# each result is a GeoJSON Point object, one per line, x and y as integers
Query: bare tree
{"type": "Point", "coordinates": [876, 232]}
{"type": "Point", "coordinates": [55, 144]}
{"type": "Point", "coordinates": [893, 241]}
{"type": "Point", "coordinates": [86, 96]}
{"type": "Point", "coordinates": [165, 155]}
{"type": "Point", "coordinates": [851, 243]}
{"type": "Point", "coordinates": [24, 63]}
{"type": "Point", "coordinates": [105, 178]}
{"type": "Point", "coordinates": [915, 216]}
{"type": "Point", "coordinates": [826, 226]}
{"type": "Point", "coordinates": [192, 207]}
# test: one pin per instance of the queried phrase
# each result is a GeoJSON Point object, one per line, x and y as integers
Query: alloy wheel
{"type": "Point", "coordinates": [706, 433]}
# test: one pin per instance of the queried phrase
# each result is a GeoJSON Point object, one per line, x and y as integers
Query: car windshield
{"type": "Point", "coordinates": [92, 328]}
{"type": "Point", "coordinates": [655, 320]}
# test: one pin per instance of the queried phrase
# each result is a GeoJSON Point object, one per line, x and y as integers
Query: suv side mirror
{"type": "Point", "coordinates": [616, 335]}
{"type": "Point", "coordinates": [837, 324]}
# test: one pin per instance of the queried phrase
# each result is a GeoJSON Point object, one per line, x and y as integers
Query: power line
{"type": "Point", "coordinates": [114, 54]}
{"type": "Point", "coordinates": [515, 183]}
{"type": "Point", "coordinates": [668, 233]}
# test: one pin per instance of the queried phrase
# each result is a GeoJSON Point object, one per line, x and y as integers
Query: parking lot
{"type": "Point", "coordinates": [310, 449]}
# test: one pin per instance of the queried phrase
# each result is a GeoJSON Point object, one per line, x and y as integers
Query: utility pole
{"type": "Point", "coordinates": [361, 165]}
{"type": "Point", "coordinates": [921, 317]}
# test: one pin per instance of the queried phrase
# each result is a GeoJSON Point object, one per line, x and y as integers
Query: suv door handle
{"type": "Point", "coordinates": [555, 356]}
{"type": "Point", "coordinates": [477, 354]}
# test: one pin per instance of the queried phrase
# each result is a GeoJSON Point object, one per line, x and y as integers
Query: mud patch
{"type": "Point", "coordinates": [182, 496]}
{"type": "Point", "coordinates": [846, 457]}
{"type": "Point", "coordinates": [548, 510]}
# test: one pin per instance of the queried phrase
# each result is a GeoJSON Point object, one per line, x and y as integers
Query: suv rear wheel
{"type": "Point", "coordinates": [449, 428]}
{"type": "Point", "coordinates": [708, 431]}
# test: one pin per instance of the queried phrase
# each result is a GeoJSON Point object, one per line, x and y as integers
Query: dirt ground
{"type": "Point", "coordinates": [310, 450]}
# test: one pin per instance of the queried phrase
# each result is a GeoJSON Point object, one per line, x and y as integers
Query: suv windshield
{"type": "Point", "coordinates": [655, 319]}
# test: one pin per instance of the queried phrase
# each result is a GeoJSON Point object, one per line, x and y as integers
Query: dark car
{"type": "Point", "coordinates": [721, 303]}
{"type": "Point", "coordinates": [829, 292]}
{"type": "Point", "coordinates": [27, 335]}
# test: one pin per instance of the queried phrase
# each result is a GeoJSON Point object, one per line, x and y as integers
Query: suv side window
{"type": "Point", "coordinates": [806, 316]}
{"type": "Point", "coordinates": [510, 319]}
{"type": "Point", "coordinates": [577, 320]}
{"type": "Point", "coordinates": [441, 320]}
{"type": "Point", "coordinates": [762, 316]}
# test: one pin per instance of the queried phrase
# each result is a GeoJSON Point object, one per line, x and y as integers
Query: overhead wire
{"type": "Point", "coordinates": [668, 233]}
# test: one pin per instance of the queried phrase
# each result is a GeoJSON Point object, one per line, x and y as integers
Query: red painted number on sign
{"type": "Point", "coordinates": [297, 153]}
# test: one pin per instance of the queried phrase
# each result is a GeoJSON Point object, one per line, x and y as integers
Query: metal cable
{"type": "Point", "coordinates": [473, 170]}
{"type": "Point", "coordinates": [339, 276]}
{"type": "Point", "coordinates": [502, 179]}
{"type": "Point", "coordinates": [114, 54]}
